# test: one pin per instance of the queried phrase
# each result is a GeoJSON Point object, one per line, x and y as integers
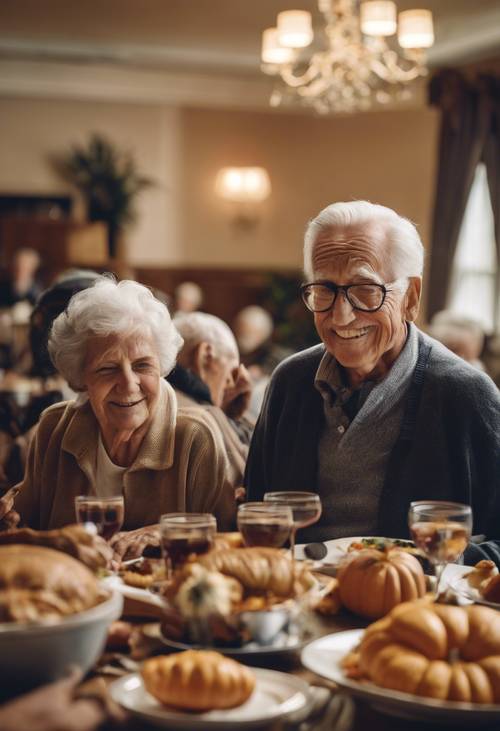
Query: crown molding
{"type": "Point", "coordinates": [98, 82]}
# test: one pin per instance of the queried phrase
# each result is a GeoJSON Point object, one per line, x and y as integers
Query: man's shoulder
{"type": "Point", "coordinates": [451, 374]}
{"type": "Point", "coordinates": [300, 364]}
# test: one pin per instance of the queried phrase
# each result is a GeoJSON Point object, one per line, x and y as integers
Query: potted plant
{"type": "Point", "coordinates": [109, 181]}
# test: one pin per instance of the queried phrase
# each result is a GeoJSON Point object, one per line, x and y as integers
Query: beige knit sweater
{"type": "Point", "coordinates": [236, 451]}
{"type": "Point", "coordinates": [181, 466]}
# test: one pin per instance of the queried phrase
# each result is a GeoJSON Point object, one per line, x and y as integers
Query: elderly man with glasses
{"type": "Point", "coordinates": [379, 414]}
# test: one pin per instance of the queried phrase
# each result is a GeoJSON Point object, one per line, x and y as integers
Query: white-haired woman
{"type": "Point", "coordinates": [114, 344]}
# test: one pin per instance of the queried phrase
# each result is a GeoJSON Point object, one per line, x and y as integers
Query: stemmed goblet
{"type": "Point", "coordinates": [441, 530]}
{"type": "Point", "coordinates": [183, 534]}
{"type": "Point", "coordinates": [265, 524]}
{"type": "Point", "coordinates": [305, 506]}
{"type": "Point", "coordinates": [106, 513]}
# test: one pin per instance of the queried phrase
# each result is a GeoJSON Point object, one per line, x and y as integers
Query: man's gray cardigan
{"type": "Point", "coordinates": [448, 447]}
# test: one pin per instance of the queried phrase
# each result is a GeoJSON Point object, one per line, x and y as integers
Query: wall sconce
{"type": "Point", "coordinates": [245, 189]}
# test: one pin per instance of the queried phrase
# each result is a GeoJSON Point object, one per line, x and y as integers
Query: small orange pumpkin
{"type": "Point", "coordinates": [372, 582]}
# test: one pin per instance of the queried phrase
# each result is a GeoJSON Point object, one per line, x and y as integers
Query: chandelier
{"type": "Point", "coordinates": [357, 64]}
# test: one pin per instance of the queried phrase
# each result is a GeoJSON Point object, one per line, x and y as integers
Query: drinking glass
{"type": "Point", "coordinates": [183, 534]}
{"type": "Point", "coordinates": [106, 513]}
{"type": "Point", "coordinates": [305, 507]}
{"type": "Point", "coordinates": [441, 530]}
{"type": "Point", "coordinates": [265, 524]}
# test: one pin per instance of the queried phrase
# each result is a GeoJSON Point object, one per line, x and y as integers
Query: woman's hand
{"type": "Point", "coordinates": [53, 708]}
{"type": "Point", "coordinates": [131, 544]}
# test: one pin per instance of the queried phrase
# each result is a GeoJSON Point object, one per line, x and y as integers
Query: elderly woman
{"type": "Point", "coordinates": [124, 435]}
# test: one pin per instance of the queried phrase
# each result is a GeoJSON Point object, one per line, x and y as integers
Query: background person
{"type": "Point", "coordinates": [209, 376]}
{"type": "Point", "coordinates": [253, 327]}
{"type": "Point", "coordinates": [464, 336]}
{"type": "Point", "coordinates": [21, 283]}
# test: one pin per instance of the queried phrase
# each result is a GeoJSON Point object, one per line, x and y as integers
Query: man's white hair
{"type": "Point", "coordinates": [200, 327]}
{"type": "Point", "coordinates": [407, 251]}
{"type": "Point", "coordinates": [109, 308]}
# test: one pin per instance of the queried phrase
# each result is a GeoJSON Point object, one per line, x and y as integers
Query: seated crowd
{"type": "Point", "coordinates": [375, 416]}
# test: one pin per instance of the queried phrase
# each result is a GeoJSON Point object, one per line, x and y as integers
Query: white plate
{"type": "Point", "coordinates": [337, 550]}
{"type": "Point", "coordinates": [324, 656]}
{"type": "Point", "coordinates": [132, 592]}
{"type": "Point", "coordinates": [283, 644]}
{"type": "Point", "coordinates": [276, 695]}
{"type": "Point", "coordinates": [461, 586]}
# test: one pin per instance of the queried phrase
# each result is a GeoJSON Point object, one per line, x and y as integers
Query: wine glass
{"type": "Point", "coordinates": [441, 530]}
{"type": "Point", "coordinates": [265, 524]}
{"type": "Point", "coordinates": [183, 534]}
{"type": "Point", "coordinates": [106, 513]}
{"type": "Point", "coordinates": [305, 506]}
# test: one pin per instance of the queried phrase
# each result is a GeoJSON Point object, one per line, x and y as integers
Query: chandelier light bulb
{"type": "Point", "coordinates": [378, 18]}
{"type": "Point", "coordinates": [295, 28]}
{"type": "Point", "coordinates": [272, 51]}
{"type": "Point", "coordinates": [415, 29]}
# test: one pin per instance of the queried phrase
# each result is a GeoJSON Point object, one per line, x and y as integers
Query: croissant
{"type": "Point", "coordinates": [198, 680]}
{"type": "Point", "coordinates": [260, 570]}
{"type": "Point", "coordinates": [41, 584]}
{"type": "Point", "coordinates": [435, 650]}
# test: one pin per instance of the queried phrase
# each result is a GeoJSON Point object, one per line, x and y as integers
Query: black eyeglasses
{"type": "Point", "coordinates": [321, 296]}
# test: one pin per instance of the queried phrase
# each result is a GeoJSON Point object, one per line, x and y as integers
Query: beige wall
{"type": "Point", "coordinates": [32, 130]}
{"type": "Point", "coordinates": [386, 157]}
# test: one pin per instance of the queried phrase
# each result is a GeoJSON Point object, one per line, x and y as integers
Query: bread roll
{"type": "Point", "coordinates": [260, 570]}
{"type": "Point", "coordinates": [436, 651]}
{"type": "Point", "coordinates": [198, 680]}
{"type": "Point", "coordinates": [41, 584]}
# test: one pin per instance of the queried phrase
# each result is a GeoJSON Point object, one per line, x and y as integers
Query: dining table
{"type": "Point", "coordinates": [338, 711]}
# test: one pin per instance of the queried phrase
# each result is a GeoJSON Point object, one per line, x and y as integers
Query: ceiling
{"type": "Point", "coordinates": [195, 38]}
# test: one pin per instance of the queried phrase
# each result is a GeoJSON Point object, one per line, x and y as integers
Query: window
{"type": "Point", "coordinates": [472, 290]}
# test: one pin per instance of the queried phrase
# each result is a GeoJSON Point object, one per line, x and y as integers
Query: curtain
{"type": "Point", "coordinates": [465, 123]}
{"type": "Point", "coordinates": [491, 158]}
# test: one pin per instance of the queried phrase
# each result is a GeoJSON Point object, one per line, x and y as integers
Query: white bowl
{"type": "Point", "coordinates": [35, 653]}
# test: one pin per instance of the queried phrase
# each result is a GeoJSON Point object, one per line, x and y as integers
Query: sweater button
{"type": "Point", "coordinates": [341, 429]}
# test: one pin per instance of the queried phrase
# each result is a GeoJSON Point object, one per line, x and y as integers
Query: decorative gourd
{"type": "Point", "coordinates": [436, 651]}
{"type": "Point", "coordinates": [372, 582]}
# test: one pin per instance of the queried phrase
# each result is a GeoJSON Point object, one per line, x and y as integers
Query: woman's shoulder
{"type": "Point", "coordinates": [197, 424]}
{"type": "Point", "coordinates": [57, 413]}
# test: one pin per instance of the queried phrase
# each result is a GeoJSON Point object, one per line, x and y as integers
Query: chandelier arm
{"type": "Point", "coordinates": [389, 70]}
{"type": "Point", "coordinates": [288, 75]}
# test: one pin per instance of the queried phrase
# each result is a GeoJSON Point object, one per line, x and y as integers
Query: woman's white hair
{"type": "Point", "coordinates": [109, 307]}
{"type": "Point", "coordinates": [200, 327]}
{"type": "Point", "coordinates": [407, 251]}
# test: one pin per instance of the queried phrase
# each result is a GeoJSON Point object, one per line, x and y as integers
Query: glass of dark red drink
{"type": "Point", "coordinates": [106, 513]}
{"type": "Point", "coordinates": [265, 524]}
{"type": "Point", "coordinates": [305, 507]}
{"type": "Point", "coordinates": [184, 534]}
{"type": "Point", "coordinates": [441, 530]}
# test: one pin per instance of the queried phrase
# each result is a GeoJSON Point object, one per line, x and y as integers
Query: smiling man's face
{"type": "Point", "coordinates": [365, 343]}
{"type": "Point", "coordinates": [122, 377]}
